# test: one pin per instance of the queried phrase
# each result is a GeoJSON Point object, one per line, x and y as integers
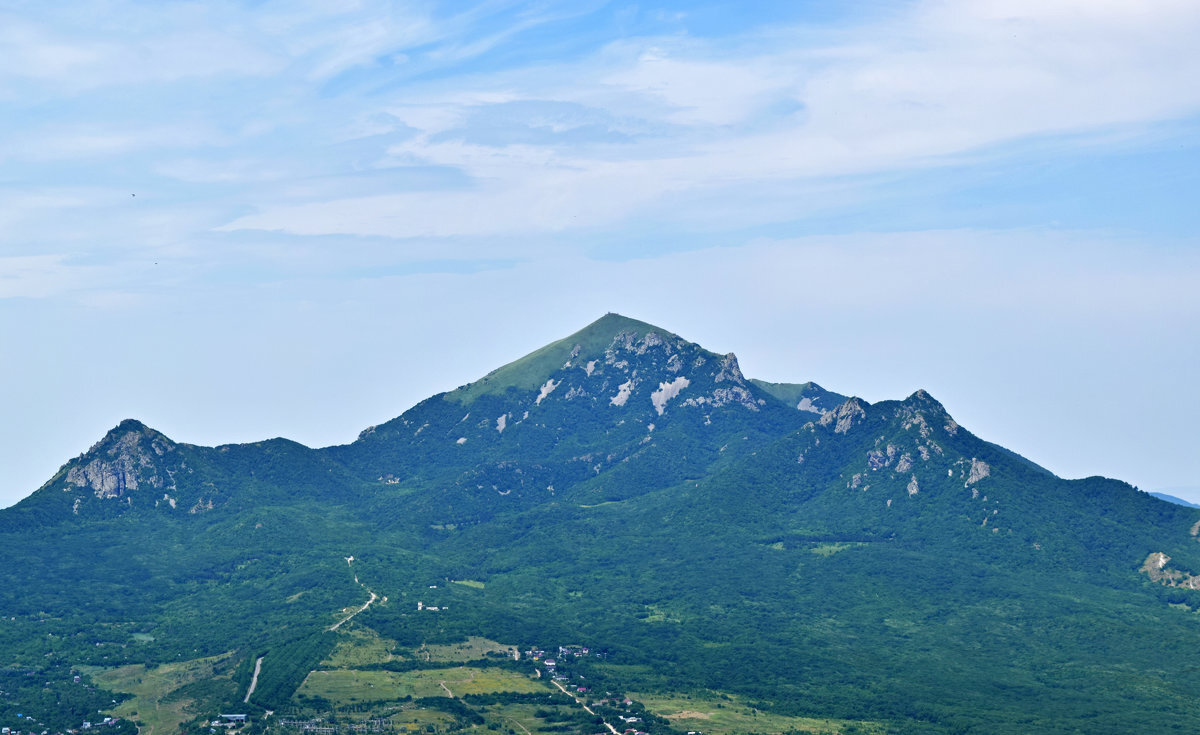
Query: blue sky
{"type": "Point", "coordinates": [243, 220]}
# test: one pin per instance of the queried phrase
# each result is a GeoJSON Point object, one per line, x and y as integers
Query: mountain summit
{"type": "Point", "coordinates": [771, 549]}
{"type": "Point", "coordinates": [128, 457]}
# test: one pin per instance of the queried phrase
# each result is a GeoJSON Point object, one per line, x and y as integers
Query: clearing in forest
{"type": "Point", "coordinates": [348, 687]}
{"type": "Point", "coordinates": [722, 715]}
{"type": "Point", "coordinates": [157, 706]}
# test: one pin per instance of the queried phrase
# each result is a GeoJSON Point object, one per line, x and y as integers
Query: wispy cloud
{"type": "Point", "coordinates": [940, 82]}
{"type": "Point", "coordinates": [385, 120]}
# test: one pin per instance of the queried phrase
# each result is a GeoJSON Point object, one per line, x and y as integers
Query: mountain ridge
{"type": "Point", "coordinates": [630, 489]}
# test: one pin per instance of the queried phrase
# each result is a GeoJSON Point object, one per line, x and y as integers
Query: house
{"type": "Point", "coordinates": [233, 718]}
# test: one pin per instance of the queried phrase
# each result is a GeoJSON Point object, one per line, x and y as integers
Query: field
{"type": "Point", "coordinates": [360, 647]}
{"type": "Point", "coordinates": [156, 707]}
{"type": "Point", "coordinates": [417, 720]}
{"type": "Point", "coordinates": [347, 687]}
{"type": "Point", "coordinates": [465, 680]}
{"type": "Point", "coordinates": [715, 715]}
{"type": "Point", "coordinates": [520, 719]}
{"type": "Point", "coordinates": [472, 649]}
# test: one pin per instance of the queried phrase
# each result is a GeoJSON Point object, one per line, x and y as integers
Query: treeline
{"type": "Point", "coordinates": [403, 666]}
{"type": "Point", "coordinates": [555, 697]}
{"type": "Point", "coordinates": [451, 706]}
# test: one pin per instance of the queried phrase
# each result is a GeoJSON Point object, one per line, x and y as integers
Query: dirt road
{"type": "Point", "coordinates": [586, 708]}
{"type": "Point", "coordinates": [254, 679]}
{"type": "Point", "coordinates": [366, 604]}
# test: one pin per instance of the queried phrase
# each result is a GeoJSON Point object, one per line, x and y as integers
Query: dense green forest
{"type": "Point", "coordinates": [840, 567]}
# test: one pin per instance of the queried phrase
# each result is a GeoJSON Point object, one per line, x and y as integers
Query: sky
{"type": "Point", "coordinates": [241, 220]}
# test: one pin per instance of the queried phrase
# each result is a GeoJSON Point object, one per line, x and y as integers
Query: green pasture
{"type": "Point", "coordinates": [714, 715]}
{"type": "Point", "coordinates": [152, 706]}
{"type": "Point", "coordinates": [348, 687]}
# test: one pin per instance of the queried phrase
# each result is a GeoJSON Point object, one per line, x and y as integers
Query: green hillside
{"type": "Point", "coordinates": [730, 562]}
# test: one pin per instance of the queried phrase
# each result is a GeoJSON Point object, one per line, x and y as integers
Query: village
{"type": "Point", "coordinates": [86, 725]}
{"type": "Point", "coordinates": [571, 700]}
{"type": "Point", "coordinates": [29, 725]}
{"type": "Point", "coordinates": [611, 712]}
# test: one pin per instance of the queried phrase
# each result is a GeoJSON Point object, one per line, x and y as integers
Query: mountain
{"type": "Point", "coordinates": [735, 555]}
{"type": "Point", "coordinates": [1174, 499]}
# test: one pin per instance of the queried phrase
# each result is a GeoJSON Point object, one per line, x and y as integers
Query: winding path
{"type": "Point", "coordinates": [366, 604]}
{"type": "Point", "coordinates": [586, 708]}
{"type": "Point", "coordinates": [373, 598]}
{"type": "Point", "coordinates": [518, 724]}
{"type": "Point", "coordinates": [254, 679]}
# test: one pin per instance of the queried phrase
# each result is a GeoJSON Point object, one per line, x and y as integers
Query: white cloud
{"type": "Point", "coordinates": [697, 92]}
{"type": "Point", "coordinates": [79, 141]}
{"type": "Point", "coordinates": [169, 53]}
{"type": "Point", "coordinates": [945, 81]}
{"type": "Point", "coordinates": [30, 52]}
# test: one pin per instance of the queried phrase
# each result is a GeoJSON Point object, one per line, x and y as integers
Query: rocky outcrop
{"type": "Point", "coordinates": [979, 470]}
{"type": "Point", "coordinates": [666, 391]}
{"type": "Point", "coordinates": [806, 404]}
{"type": "Point", "coordinates": [546, 389]}
{"type": "Point", "coordinates": [923, 412]}
{"type": "Point", "coordinates": [844, 416]}
{"type": "Point", "coordinates": [730, 370]}
{"type": "Point", "coordinates": [127, 458]}
{"type": "Point", "coordinates": [1157, 568]}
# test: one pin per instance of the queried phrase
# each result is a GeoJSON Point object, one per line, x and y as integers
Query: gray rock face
{"type": "Point", "coordinates": [106, 479]}
{"type": "Point", "coordinates": [844, 416]}
{"type": "Point", "coordinates": [123, 461]}
{"type": "Point", "coordinates": [730, 370]}
{"type": "Point", "coordinates": [979, 470]}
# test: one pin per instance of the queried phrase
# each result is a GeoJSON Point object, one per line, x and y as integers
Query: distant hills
{"type": "Point", "coordinates": [778, 548]}
{"type": "Point", "coordinates": [1174, 499]}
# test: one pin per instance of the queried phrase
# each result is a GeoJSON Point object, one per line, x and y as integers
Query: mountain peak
{"type": "Point", "coordinates": [612, 324]}
{"type": "Point", "coordinates": [920, 399]}
{"type": "Point", "coordinates": [926, 412]}
{"type": "Point", "coordinates": [531, 371]}
{"type": "Point", "coordinates": [605, 331]}
{"type": "Point", "coordinates": [126, 432]}
{"type": "Point", "coordinates": [128, 425]}
{"type": "Point", "coordinates": [845, 416]}
{"type": "Point", "coordinates": [126, 458]}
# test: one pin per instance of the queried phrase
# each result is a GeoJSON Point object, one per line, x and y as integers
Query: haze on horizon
{"type": "Point", "coordinates": [234, 221]}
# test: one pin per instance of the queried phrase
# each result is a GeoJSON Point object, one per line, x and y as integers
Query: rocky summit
{"type": "Point", "coordinates": [619, 531]}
